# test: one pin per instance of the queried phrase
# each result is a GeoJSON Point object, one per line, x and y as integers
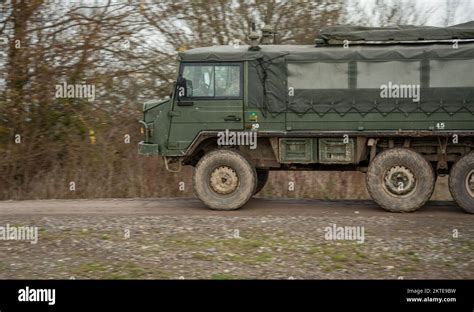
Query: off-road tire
{"type": "Point", "coordinates": [458, 176]}
{"type": "Point", "coordinates": [262, 178]}
{"type": "Point", "coordinates": [419, 169]}
{"type": "Point", "coordinates": [233, 163]}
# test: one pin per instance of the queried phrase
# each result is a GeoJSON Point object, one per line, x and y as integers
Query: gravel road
{"type": "Point", "coordinates": [267, 239]}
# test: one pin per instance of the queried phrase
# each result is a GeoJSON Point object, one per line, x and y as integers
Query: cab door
{"type": "Point", "coordinates": [212, 100]}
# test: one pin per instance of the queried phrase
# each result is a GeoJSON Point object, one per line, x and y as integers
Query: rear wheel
{"type": "Point", "coordinates": [400, 180]}
{"type": "Point", "coordinates": [461, 183]}
{"type": "Point", "coordinates": [224, 180]}
{"type": "Point", "coordinates": [262, 178]}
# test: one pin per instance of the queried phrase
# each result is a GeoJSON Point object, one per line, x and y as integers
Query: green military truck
{"type": "Point", "coordinates": [396, 103]}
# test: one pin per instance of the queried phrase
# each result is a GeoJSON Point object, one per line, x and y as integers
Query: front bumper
{"type": "Point", "coordinates": [148, 149]}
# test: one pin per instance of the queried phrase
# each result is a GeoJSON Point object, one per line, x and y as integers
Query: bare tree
{"type": "Point", "coordinates": [127, 51]}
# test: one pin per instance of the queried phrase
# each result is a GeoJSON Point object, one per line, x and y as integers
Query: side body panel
{"type": "Point", "coordinates": [191, 115]}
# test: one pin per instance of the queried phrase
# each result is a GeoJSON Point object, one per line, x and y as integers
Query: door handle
{"type": "Point", "coordinates": [231, 118]}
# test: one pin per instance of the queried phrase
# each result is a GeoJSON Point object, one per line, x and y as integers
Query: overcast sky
{"type": "Point", "coordinates": [426, 12]}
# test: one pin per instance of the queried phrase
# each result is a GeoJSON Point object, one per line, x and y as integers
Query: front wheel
{"type": "Point", "coordinates": [461, 183]}
{"type": "Point", "coordinates": [224, 180]}
{"type": "Point", "coordinates": [400, 180]}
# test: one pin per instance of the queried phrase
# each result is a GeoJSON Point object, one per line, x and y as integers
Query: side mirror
{"type": "Point", "coordinates": [181, 88]}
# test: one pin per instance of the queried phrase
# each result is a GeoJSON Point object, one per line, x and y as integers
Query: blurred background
{"type": "Point", "coordinates": [127, 51]}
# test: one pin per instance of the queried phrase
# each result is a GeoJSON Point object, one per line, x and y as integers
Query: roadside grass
{"type": "Point", "coordinates": [225, 276]}
{"type": "Point", "coordinates": [256, 248]}
{"type": "Point", "coordinates": [116, 270]}
{"type": "Point", "coordinates": [265, 249]}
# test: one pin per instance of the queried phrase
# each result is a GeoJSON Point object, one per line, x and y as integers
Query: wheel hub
{"type": "Point", "coordinates": [470, 183]}
{"type": "Point", "coordinates": [224, 180]}
{"type": "Point", "coordinates": [400, 181]}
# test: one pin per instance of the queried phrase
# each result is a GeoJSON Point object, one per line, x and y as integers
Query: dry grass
{"type": "Point", "coordinates": [132, 175]}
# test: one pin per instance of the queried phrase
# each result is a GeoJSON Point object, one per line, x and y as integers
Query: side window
{"type": "Point", "coordinates": [199, 81]}
{"type": "Point", "coordinates": [371, 75]}
{"type": "Point", "coordinates": [212, 80]}
{"type": "Point", "coordinates": [451, 73]}
{"type": "Point", "coordinates": [318, 75]}
{"type": "Point", "coordinates": [227, 80]}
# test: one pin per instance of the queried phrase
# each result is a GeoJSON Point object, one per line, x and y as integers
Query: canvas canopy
{"type": "Point", "coordinates": [305, 78]}
{"type": "Point", "coordinates": [336, 34]}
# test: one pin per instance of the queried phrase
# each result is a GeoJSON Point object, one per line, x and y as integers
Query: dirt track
{"type": "Point", "coordinates": [257, 206]}
{"type": "Point", "coordinates": [181, 238]}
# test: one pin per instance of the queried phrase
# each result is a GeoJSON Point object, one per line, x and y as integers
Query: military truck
{"type": "Point", "coordinates": [396, 103]}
